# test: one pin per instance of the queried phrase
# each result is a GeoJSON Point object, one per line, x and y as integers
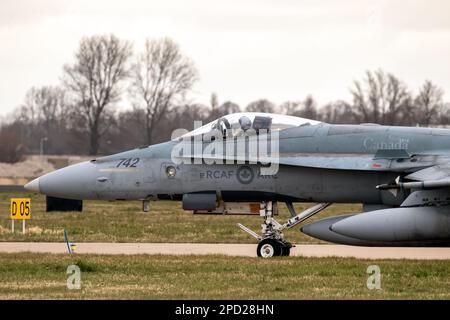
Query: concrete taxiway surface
{"type": "Point", "coordinates": [246, 250]}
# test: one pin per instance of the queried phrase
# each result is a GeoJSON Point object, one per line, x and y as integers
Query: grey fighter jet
{"type": "Point", "coordinates": [250, 162]}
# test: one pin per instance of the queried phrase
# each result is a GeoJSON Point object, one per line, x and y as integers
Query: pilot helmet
{"type": "Point", "coordinates": [245, 123]}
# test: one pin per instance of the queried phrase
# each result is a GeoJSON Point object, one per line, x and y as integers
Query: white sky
{"type": "Point", "coordinates": [244, 49]}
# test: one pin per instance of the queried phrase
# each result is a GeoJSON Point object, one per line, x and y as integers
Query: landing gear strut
{"type": "Point", "coordinates": [271, 240]}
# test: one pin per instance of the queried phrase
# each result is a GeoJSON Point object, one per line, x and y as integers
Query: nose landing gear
{"type": "Point", "coordinates": [271, 240]}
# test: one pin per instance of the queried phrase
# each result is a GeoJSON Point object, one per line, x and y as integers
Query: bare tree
{"type": "Point", "coordinates": [214, 101]}
{"type": "Point", "coordinates": [261, 105]}
{"type": "Point", "coordinates": [444, 116]}
{"type": "Point", "coordinates": [94, 80]}
{"type": "Point", "coordinates": [309, 108]}
{"type": "Point", "coordinates": [306, 108]}
{"type": "Point", "coordinates": [381, 99]}
{"type": "Point", "coordinates": [428, 103]}
{"type": "Point", "coordinates": [184, 116]}
{"type": "Point", "coordinates": [45, 104]}
{"type": "Point", "coordinates": [225, 108]}
{"type": "Point", "coordinates": [161, 77]}
{"type": "Point", "coordinates": [291, 108]}
{"type": "Point", "coordinates": [12, 149]}
{"type": "Point", "coordinates": [338, 112]}
{"type": "Point", "coordinates": [125, 131]}
{"type": "Point", "coordinates": [43, 113]}
{"type": "Point", "coordinates": [398, 99]}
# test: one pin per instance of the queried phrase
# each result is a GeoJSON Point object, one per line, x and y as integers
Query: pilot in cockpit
{"type": "Point", "coordinates": [247, 124]}
{"type": "Point", "coordinates": [223, 126]}
{"type": "Point", "coordinates": [244, 125]}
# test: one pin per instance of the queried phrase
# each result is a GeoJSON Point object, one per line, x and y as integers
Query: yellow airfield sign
{"type": "Point", "coordinates": [20, 209]}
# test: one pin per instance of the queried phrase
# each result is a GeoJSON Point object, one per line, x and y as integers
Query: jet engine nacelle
{"type": "Point", "coordinates": [414, 226]}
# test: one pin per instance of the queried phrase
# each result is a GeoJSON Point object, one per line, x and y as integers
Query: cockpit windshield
{"type": "Point", "coordinates": [249, 123]}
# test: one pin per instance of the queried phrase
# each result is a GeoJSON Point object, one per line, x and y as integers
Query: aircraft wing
{"type": "Point", "coordinates": [437, 172]}
{"type": "Point", "coordinates": [429, 186]}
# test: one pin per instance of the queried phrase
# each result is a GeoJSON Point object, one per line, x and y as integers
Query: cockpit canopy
{"type": "Point", "coordinates": [248, 123]}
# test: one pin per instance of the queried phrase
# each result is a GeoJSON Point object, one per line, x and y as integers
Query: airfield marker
{"type": "Point", "coordinates": [20, 209]}
{"type": "Point", "coordinates": [69, 245]}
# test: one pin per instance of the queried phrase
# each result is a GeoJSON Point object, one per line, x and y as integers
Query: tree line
{"type": "Point", "coordinates": [80, 116]}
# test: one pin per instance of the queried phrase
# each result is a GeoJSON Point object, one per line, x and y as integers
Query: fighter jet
{"type": "Point", "coordinates": [251, 162]}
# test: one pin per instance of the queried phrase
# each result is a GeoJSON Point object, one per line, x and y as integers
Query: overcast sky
{"type": "Point", "coordinates": [244, 49]}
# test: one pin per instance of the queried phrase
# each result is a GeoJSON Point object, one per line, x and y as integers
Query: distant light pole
{"type": "Point", "coordinates": [41, 144]}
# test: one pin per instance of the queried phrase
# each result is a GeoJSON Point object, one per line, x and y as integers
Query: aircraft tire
{"type": "Point", "coordinates": [269, 248]}
{"type": "Point", "coordinates": [285, 251]}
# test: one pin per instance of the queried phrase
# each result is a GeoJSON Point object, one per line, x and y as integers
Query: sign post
{"type": "Point", "coordinates": [20, 210]}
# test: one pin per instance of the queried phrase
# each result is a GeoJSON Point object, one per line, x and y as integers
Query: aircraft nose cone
{"type": "Point", "coordinates": [33, 185]}
{"type": "Point", "coordinates": [73, 182]}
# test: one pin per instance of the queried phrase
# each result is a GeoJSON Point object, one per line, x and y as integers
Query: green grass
{"type": "Point", "coordinates": [43, 276]}
{"type": "Point", "coordinates": [103, 221]}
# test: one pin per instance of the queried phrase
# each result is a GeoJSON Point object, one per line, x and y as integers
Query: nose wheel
{"type": "Point", "coordinates": [269, 248]}
{"type": "Point", "coordinates": [271, 242]}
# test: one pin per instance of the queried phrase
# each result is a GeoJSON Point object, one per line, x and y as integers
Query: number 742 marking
{"type": "Point", "coordinates": [128, 162]}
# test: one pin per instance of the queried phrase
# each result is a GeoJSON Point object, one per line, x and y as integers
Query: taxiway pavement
{"type": "Point", "coordinates": [246, 250]}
